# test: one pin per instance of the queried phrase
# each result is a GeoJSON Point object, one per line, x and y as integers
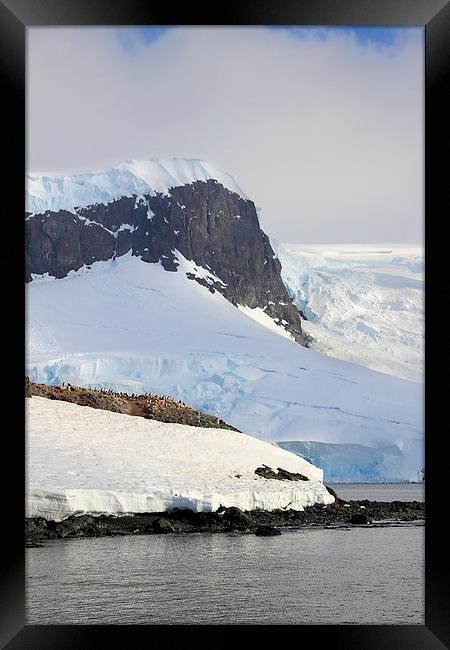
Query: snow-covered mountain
{"type": "Point", "coordinates": [178, 291]}
{"type": "Point", "coordinates": [115, 463]}
{"type": "Point", "coordinates": [156, 210]}
{"type": "Point", "coordinates": [364, 303]}
{"type": "Point", "coordinates": [133, 326]}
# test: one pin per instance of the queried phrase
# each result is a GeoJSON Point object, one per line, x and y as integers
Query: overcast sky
{"type": "Point", "coordinates": [322, 128]}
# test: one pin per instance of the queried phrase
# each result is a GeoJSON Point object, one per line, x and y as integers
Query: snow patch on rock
{"type": "Point", "coordinates": [264, 319]}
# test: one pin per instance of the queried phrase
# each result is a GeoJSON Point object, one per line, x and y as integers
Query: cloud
{"type": "Point", "coordinates": [325, 134]}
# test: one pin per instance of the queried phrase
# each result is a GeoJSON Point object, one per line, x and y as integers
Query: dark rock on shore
{"type": "Point", "coordinates": [235, 519]}
{"type": "Point", "coordinates": [267, 531]}
{"type": "Point", "coordinates": [182, 514]}
{"type": "Point", "coordinates": [337, 500]}
{"type": "Point", "coordinates": [161, 525]}
{"type": "Point", "coordinates": [360, 518]}
{"type": "Point", "coordinates": [184, 520]}
{"type": "Point", "coordinates": [331, 491]}
{"type": "Point", "coordinates": [84, 526]}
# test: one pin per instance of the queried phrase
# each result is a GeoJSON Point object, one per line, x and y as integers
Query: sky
{"type": "Point", "coordinates": [321, 127]}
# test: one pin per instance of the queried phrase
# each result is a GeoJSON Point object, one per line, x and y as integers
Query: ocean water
{"type": "Point", "coordinates": [315, 575]}
{"type": "Point", "coordinates": [380, 492]}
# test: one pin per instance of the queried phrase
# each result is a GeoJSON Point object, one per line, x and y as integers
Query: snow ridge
{"type": "Point", "coordinates": [84, 460]}
{"type": "Point", "coordinates": [132, 178]}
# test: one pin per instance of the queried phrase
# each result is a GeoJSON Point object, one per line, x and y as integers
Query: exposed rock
{"type": "Point", "coordinates": [36, 528]}
{"type": "Point", "coordinates": [267, 531]}
{"type": "Point", "coordinates": [284, 475]}
{"type": "Point", "coordinates": [331, 491]}
{"type": "Point", "coordinates": [204, 221]}
{"type": "Point", "coordinates": [151, 407]}
{"type": "Point", "coordinates": [338, 502]}
{"type": "Point", "coordinates": [161, 525]}
{"type": "Point", "coordinates": [266, 472]}
{"type": "Point", "coordinates": [280, 475]}
{"type": "Point", "coordinates": [184, 520]}
{"type": "Point", "coordinates": [360, 518]}
{"type": "Point", "coordinates": [236, 519]}
{"type": "Point", "coordinates": [182, 514]}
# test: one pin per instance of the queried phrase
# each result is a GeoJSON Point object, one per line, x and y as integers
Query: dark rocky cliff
{"type": "Point", "coordinates": [204, 221]}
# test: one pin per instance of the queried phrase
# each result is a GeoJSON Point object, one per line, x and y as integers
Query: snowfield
{"type": "Point", "coordinates": [135, 177]}
{"type": "Point", "coordinates": [132, 326]}
{"type": "Point", "coordinates": [84, 460]}
{"type": "Point", "coordinates": [364, 303]}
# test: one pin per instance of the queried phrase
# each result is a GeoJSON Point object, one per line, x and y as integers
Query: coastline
{"type": "Point", "coordinates": [184, 520]}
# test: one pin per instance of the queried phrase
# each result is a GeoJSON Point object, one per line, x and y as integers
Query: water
{"type": "Point", "coordinates": [380, 492]}
{"type": "Point", "coordinates": [357, 575]}
{"type": "Point", "coordinates": [344, 575]}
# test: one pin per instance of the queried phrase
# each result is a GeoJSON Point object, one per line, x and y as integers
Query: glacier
{"type": "Point", "coordinates": [132, 326]}
{"type": "Point", "coordinates": [364, 302]}
{"type": "Point", "coordinates": [132, 178]}
{"type": "Point", "coordinates": [356, 463]}
{"type": "Point", "coordinates": [82, 460]}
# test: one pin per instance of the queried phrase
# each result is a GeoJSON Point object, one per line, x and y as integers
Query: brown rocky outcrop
{"type": "Point", "coordinates": [151, 407]}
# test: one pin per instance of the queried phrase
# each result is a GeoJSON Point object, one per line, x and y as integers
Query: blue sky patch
{"type": "Point", "coordinates": [133, 38]}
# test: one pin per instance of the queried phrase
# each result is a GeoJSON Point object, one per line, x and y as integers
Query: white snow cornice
{"type": "Point", "coordinates": [155, 176]}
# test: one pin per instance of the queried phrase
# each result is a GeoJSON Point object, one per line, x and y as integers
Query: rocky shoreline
{"type": "Point", "coordinates": [259, 522]}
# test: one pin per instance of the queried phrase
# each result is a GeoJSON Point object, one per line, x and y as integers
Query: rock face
{"type": "Point", "coordinates": [204, 221]}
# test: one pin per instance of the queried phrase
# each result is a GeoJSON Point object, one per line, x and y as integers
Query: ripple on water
{"type": "Point", "coordinates": [348, 575]}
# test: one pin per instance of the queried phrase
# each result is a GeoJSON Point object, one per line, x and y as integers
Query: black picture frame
{"type": "Point", "coordinates": [15, 17]}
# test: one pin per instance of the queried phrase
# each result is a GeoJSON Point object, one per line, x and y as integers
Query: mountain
{"type": "Point", "coordinates": [157, 211]}
{"type": "Point", "coordinates": [130, 324]}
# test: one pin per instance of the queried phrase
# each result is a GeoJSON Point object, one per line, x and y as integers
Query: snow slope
{"type": "Point", "coordinates": [135, 177]}
{"type": "Point", "coordinates": [82, 459]}
{"type": "Point", "coordinates": [132, 326]}
{"type": "Point", "coordinates": [364, 303]}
